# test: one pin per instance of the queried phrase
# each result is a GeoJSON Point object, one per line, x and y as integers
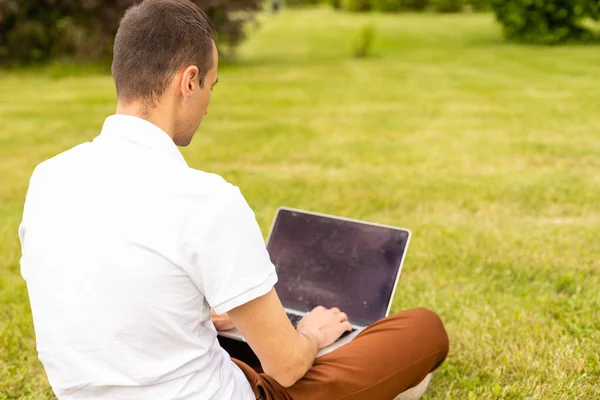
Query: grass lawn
{"type": "Point", "coordinates": [488, 151]}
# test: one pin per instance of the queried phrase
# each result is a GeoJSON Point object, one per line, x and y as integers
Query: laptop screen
{"type": "Point", "coordinates": [326, 261]}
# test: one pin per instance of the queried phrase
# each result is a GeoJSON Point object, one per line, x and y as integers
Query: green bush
{"type": "Point", "coordinates": [547, 21]}
{"type": "Point", "coordinates": [34, 31]}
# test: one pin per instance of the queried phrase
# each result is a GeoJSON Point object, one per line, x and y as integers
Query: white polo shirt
{"type": "Point", "coordinates": [125, 249]}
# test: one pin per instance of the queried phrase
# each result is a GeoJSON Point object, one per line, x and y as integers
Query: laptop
{"type": "Point", "coordinates": [334, 262]}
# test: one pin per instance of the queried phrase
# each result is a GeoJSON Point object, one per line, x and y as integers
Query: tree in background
{"type": "Point", "coordinates": [549, 21]}
{"type": "Point", "coordinates": [33, 31]}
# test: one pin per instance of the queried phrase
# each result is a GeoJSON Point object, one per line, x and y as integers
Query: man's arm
{"type": "Point", "coordinates": [286, 354]}
{"type": "Point", "coordinates": [222, 322]}
{"type": "Point", "coordinates": [223, 252]}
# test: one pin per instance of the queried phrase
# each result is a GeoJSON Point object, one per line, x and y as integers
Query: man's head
{"type": "Point", "coordinates": [165, 57]}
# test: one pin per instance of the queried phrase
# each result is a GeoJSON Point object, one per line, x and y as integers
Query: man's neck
{"type": "Point", "coordinates": [158, 115]}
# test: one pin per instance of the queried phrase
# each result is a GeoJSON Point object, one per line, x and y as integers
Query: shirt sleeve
{"type": "Point", "coordinates": [223, 251]}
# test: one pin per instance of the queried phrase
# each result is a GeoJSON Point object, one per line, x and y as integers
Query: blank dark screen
{"type": "Point", "coordinates": [336, 263]}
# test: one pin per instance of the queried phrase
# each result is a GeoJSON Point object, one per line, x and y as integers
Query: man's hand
{"type": "Point", "coordinates": [221, 322]}
{"type": "Point", "coordinates": [326, 325]}
{"type": "Point", "coordinates": [284, 353]}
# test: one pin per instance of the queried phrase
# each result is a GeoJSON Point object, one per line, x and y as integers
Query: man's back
{"type": "Point", "coordinates": [109, 255]}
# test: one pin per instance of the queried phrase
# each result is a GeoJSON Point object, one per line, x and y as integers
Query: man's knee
{"type": "Point", "coordinates": [427, 327]}
{"type": "Point", "coordinates": [432, 328]}
{"type": "Point", "coordinates": [421, 324]}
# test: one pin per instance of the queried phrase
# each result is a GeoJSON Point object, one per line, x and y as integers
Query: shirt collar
{"type": "Point", "coordinates": [141, 132]}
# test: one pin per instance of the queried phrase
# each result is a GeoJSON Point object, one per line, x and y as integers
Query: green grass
{"type": "Point", "coordinates": [488, 151]}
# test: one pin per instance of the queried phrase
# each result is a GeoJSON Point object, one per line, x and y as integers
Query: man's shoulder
{"type": "Point", "coordinates": [63, 160]}
{"type": "Point", "coordinates": [212, 189]}
{"type": "Point", "coordinates": [208, 182]}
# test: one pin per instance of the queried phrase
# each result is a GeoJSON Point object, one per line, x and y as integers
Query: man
{"type": "Point", "coordinates": [127, 250]}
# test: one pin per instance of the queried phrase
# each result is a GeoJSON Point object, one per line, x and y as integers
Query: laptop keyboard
{"type": "Point", "coordinates": [294, 319]}
{"type": "Point", "coordinates": [346, 333]}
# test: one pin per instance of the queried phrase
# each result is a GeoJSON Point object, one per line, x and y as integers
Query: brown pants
{"type": "Point", "coordinates": [389, 357]}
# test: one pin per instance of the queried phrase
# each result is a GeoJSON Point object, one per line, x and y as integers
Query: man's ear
{"type": "Point", "coordinates": [188, 80]}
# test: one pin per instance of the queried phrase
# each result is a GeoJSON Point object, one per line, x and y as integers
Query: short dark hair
{"type": "Point", "coordinates": [155, 39]}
